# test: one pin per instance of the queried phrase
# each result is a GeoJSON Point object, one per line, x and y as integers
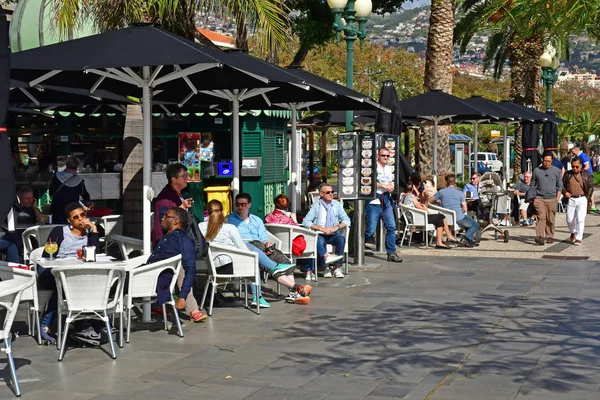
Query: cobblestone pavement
{"type": "Point", "coordinates": [498, 322]}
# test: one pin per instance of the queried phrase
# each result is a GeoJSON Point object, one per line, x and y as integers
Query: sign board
{"type": "Point", "coordinates": [357, 168]}
{"type": "Point", "coordinates": [392, 143]}
{"type": "Point", "coordinates": [494, 133]}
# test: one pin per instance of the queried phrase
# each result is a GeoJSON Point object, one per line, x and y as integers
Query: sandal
{"type": "Point", "coordinates": [437, 246]}
{"type": "Point", "coordinates": [198, 316]}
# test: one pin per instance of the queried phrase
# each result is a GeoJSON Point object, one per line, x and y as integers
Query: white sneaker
{"type": "Point", "coordinates": [310, 276]}
{"type": "Point", "coordinates": [338, 273]}
{"type": "Point", "coordinates": [327, 273]}
{"type": "Point", "coordinates": [333, 258]}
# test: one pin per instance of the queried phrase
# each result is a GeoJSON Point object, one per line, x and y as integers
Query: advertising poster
{"type": "Point", "coordinates": [189, 154]}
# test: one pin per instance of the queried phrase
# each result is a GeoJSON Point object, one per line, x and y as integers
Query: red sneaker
{"type": "Point", "coordinates": [198, 316]}
{"type": "Point", "coordinates": [304, 290]}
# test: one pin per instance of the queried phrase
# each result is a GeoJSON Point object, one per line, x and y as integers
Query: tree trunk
{"type": "Point", "coordinates": [299, 57]}
{"type": "Point", "coordinates": [133, 185]}
{"type": "Point", "coordinates": [525, 75]}
{"type": "Point", "coordinates": [564, 146]}
{"type": "Point", "coordinates": [241, 36]}
{"type": "Point", "coordinates": [438, 76]}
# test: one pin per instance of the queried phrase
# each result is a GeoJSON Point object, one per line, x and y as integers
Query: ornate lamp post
{"type": "Point", "coordinates": [352, 11]}
{"type": "Point", "coordinates": [549, 63]}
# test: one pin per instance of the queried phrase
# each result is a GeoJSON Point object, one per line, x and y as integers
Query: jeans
{"type": "Point", "coordinates": [374, 212]}
{"type": "Point", "coordinates": [12, 253]}
{"type": "Point", "coordinates": [263, 260]}
{"type": "Point", "coordinates": [576, 212]}
{"type": "Point", "coordinates": [337, 240]}
{"type": "Point", "coordinates": [46, 281]}
{"type": "Point", "coordinates": [470, 225]}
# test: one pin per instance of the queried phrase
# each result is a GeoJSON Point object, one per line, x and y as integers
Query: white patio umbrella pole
{"type": "Point", "coordinates": [235, 131]}
{"type": "Point", "coordinates": [506, 160]}
{"type": "Point", "coordinates": [435, 150]}
{"type": "Point", "coordinates": [147, 176]}
{"type": "Point", "coordinates": [475, 149]}
{"type": "Point", "coordinates": [296, 169]}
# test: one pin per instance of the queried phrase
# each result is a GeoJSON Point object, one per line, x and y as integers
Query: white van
{"type": "Point", "coordinates": [490, 160]}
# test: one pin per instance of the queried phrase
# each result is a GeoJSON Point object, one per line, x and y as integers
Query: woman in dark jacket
{"type": "Point", "coordinates": [66, 187]}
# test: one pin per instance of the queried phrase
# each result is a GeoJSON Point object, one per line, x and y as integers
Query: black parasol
{"type": "Point", "coordinates": [531, 141]}
{"type": "Point", "coordinates": [391, 123]}
{"type": "Point", "coordinates": [7, 177]}
{"type": "Point", "coordinates": [550, 135]}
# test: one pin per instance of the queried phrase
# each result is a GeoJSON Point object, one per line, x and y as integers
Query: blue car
{"type": "Point", "coordinates": [481, 168]}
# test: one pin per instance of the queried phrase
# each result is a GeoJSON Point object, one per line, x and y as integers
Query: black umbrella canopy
{"type": "Point", "coordinates": [22, 95]}
{"type": "Point", "coordinates": [491, 108]}
{"type": "Point", "coordinates": [389, 122]}
{"type": "Point", "coordinates": [531, 140]}
{"type": "Point", "coordinates": [550, 135]}
{"type": "Point", "coordinates": [525, 113]}
{"type": "Point", "coordinates": [338, 118]}
{"type": "Point", "coordinates": [7, 178]}
{"type": "Point", "coordinates": [439, 105]}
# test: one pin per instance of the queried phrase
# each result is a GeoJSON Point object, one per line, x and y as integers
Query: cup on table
{"type": "Point", "coordinates": [80, 254]}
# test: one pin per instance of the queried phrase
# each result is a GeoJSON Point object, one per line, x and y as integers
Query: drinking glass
{"type": "Point", "coordinates": [51, 248]}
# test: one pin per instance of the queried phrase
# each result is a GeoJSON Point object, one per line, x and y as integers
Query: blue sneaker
{"type": "Point", "coordinates": [262, 301]}
{"type": "Point", "coordinates": [283, 269]}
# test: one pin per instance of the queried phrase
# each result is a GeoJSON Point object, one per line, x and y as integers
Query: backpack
{"type": "Point", "coordinates": [193, 231]}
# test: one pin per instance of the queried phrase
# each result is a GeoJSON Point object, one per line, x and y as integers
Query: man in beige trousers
{"type": "Point", "coordinates": [547, 181]}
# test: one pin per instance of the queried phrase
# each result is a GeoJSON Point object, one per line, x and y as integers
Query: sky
{"type": "Point", "coordinates": [415, 3]}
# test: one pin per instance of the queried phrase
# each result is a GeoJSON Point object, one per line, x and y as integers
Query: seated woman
{"type": "Point", "coordinates": [281, 215]}
{"type": "Point", "coordinates": [79, 233]}
{"type": "Point", "coordinates": [412, 198]}
{"type": "Point", "coordinates": [216, 230]}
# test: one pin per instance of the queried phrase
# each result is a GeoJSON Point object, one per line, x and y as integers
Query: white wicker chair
{"type": "Point", "coordinates": [142, 284]}
{"type": "Point", "coordinates": [43, 232]}
{"type": "Point", "coordinates": [31, 296]}
{"type": "Point", "coordinates": [449, 214]}
{"type": "Point", "coordinates": [417, 219]}
{"type": "Point", "coordinates": [113, 225]}
{"type": "Point", "coordinates": [11, 292]}
{"type": "Point", "coordinates": [39, 233]}
{"type": "Point", "coordinates": [245, 270]}
{"type": "Point", "coordinates": [83, 292]}
{"type": "Point", "coordinates": [127, 244]}
{"type": "Point", "coordinates": [287, 233]}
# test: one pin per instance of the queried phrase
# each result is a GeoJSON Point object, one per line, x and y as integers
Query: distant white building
{"type": "Point", "coordinates": [587, 78]}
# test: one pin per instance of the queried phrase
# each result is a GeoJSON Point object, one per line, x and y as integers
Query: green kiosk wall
{"type": "Point", "coordinates": [265, 138]}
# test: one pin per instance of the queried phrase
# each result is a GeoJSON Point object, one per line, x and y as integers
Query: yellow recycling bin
{"type": "Point", "coordinates": [221, 193]}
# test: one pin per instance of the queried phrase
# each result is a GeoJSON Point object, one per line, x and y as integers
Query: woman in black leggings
{"type": "Point", "coordinates": [420, 201]}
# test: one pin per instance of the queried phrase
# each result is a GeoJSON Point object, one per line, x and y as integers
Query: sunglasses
{"type": "Point", "coordinates": [78, 217]}
{"type": "Point", "coordinates": [475, 177]}
{"type": "Point", "coordinates": [384, 155]}
{"type": "Point", "coordinates": [169, 216]}
{"type": "Point", "coordinates": [328, 192]}
{"type": "Point", "coordinates": [241, 204]}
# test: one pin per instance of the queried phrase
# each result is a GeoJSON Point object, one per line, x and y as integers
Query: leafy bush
{"type": "Point", "coordinates": [597, 178]}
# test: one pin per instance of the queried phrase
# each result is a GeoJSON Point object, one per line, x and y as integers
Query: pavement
{"type": "Point", "coordinates": [487, 323]}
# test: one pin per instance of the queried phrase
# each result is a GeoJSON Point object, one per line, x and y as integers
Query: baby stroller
{"type": "Point", "coordinates": [492, 199]}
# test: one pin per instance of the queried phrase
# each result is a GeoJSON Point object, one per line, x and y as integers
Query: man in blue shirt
{"type": "Point", "coordinates": [327, 216]}
{"type": "Point", "coordinates": [176, 241]}
{"type": "Point", "coordinates": [451, 198]}
{"type": "Point", "coordinates": [254, 234]}
{"type": "Point", "coordinates": [471, 193]}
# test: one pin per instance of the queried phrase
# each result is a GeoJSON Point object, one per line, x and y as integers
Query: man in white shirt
{"type": "Point", "coordinates": [383, 206]}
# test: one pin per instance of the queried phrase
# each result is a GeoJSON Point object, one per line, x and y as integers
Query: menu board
{"type": "Point", "coordinates": [356, 156]}
{"type": "Point", "coordinates": [391, 142]}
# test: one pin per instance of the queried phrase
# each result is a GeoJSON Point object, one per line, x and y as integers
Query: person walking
{"type": "Point", "coordinates": [383, 206]}
{"type": "Point", "coordinates": [547, 181]}
{"type": "Point", "coordinates": [578, 186]}
{"type": "Point", "coordinates": [66, 187]}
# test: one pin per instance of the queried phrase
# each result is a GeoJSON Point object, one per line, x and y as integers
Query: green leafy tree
{"type": "Point", "coordinates": [178, 16]}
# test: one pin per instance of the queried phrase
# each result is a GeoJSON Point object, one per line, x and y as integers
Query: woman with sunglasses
{"type": "Point", "coordinates": [79, 232]}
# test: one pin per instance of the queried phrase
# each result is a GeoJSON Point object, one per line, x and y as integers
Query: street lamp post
{"type": "Point", "coordinates": [352, 11]}
{"type": "Point", "coordinates": [549, 63]}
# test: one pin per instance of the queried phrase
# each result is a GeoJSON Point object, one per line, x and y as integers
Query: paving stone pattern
{"type": "Point", "coordinates": [429, 328]}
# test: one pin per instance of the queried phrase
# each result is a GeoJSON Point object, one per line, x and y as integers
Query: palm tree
{"type": "Point", "coordinates": [269, 17]}
{"type": "Point", "coordinates": [438, 76]}
{"type": "Point", "coordinates": [519, 31]}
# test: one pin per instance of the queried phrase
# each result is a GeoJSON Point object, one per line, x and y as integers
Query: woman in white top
{"type": "Point", "coordinates": [216, 230]}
